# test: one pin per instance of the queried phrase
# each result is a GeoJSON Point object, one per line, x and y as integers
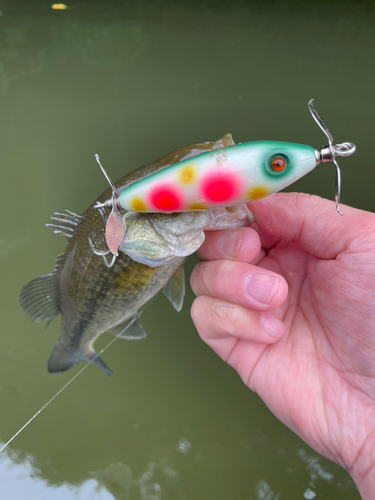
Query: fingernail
{"type": "Point", "coordinates": [230, 243]}
{"type": "Point", "coordinates": [271, 325]}
{"type": "Point", "coordinates": [262, 287]}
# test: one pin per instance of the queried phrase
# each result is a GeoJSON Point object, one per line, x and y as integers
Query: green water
{"type": "Point", "coordinates": [132, 81]}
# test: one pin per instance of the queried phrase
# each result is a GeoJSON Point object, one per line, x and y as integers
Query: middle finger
{"type": "Point", "coordinates": [240, 283]}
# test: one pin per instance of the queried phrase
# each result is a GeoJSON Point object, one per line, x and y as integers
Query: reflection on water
{"type": "Point", "coordinates": [21, 481]}
{"type": "Point", "coordinates": [69, 43]}
{"type": "Point", "coordinates": [116, 479]}
{"type": "Point", "coordinates": [184, 445]}
{"type": "Point", "coordinates": [315, 468]}
{"type": "Point", "coordinates": [8, 246]}
{"type": "Point", "coordinates": [131, 81]}
{"type": "Point", "coordinates": [309, 494]}
{"type": "Point", "coordinates": [264, 492]}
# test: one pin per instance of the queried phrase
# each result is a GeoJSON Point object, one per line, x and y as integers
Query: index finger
{"type": "Point", "coordinates": [312, 222]}
{"type": "Point", "coordinates": [241, 244]}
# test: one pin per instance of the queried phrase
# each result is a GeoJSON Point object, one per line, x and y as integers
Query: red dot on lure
{"type": "Point", "coordinates": [165, 198]}
{"type": "Point", "coordinates": [220, 188]}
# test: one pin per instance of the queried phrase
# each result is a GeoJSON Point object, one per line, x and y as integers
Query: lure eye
{"type": "Point", "coordinates": [277, 164]}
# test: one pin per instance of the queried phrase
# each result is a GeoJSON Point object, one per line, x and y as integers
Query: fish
{"type": "Point", "coordinates": [93, 298]}
{"type": "Point", "coordinates": [158, 216]}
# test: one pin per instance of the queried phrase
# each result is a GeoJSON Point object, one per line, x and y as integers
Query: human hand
{"type": "Point", "coordinates": [303, 335]}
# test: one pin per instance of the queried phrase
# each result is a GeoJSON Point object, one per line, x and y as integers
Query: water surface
{"type": "Point", "coordinates": [132, 81]}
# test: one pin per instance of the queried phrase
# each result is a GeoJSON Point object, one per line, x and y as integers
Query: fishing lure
{"type": "Point", "coordinates": [228, 176]}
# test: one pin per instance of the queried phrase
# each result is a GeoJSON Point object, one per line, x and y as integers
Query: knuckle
{"type": "Point", "coordinates": [225, 312]}
{"type": "Point", "coordinates": [198, 277]}
{"type": "Point", "coordinates": [196, 311]}
{"type": "Point", "coordinates": [221, 278]}
{"type": "Point", "coordinates": [222, 275]}
{"type": "Point", "coordinates": [208, 277]}
{"type": "Point", "coordinates": [219, 311]}
{"type": "Point", "coordinates": [216, 278]}
{"type": "Point", "coordinates": [307, 201]}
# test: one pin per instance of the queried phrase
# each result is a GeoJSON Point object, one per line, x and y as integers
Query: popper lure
{"type": "Point", "coordinates": [231, 175]}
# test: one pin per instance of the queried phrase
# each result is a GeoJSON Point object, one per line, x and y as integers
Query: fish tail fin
{"type": "Point", "coordinates": [63, 357]}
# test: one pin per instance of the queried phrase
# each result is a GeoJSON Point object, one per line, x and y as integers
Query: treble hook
{"type": "Point", "coordinates": [328, 153]}
{"type": "Point", "coordinates": [115, 225]}
{"type": "Point", "coordinates": [102, 254]}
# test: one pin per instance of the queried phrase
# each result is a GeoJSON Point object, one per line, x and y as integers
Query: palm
{"type": "Point", "coordinates": [319, 376]}
{"type": "Point", "coordinates": [314, 368]}
{"type": "Point", "coordinates": [298, 322]}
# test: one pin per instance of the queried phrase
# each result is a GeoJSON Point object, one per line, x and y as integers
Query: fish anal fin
{"type": "Point", "coordinates": [131, 329]}
{"type": "Point", "coordinates": [97, 361]}
{"type": "Point", "coordinates": [63, 357]}
{"type": "Point", "coordinates": [174, 290]}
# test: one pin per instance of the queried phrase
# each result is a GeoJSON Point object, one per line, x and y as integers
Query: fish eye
{"type": "Point", "coordinates": [277, 163]}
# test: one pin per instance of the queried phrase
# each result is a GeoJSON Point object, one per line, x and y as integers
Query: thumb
{"type": "Point", "coordinates": [312, 222]}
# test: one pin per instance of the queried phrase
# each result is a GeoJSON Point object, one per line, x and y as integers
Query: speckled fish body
{"type": "Point", "coordinates": [92, 298]}
{"type": "Point", "coordinates": [225, 176]}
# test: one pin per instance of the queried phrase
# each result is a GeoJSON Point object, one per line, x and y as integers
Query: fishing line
{"type": "Point", "coordinates": [69, 382]}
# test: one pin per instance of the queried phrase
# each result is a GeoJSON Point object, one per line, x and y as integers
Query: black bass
{"type": "Point", "coordinates": [93, 298]}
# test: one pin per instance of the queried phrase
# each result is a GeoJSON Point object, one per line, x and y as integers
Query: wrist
{"type": "Point", "coordinates": [363, 470]}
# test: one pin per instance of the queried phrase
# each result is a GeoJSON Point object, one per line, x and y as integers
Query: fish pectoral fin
{"type": "Point", "coordinates": [131, 329]}
{"type": "Point", "coordinates": [38, 298]}
{"type": "Point", "coordinates": [174, 290]}
{"type": "Point", "coordinates": [63, 357]}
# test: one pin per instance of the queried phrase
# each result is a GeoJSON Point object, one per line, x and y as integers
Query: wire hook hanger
{"type": "Point", "coordinates": [328, 153]}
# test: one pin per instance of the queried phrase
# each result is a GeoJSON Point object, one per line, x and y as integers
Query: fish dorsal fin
{"type": "Point", "coordinates": [38, 298]}
{"type": "Point", "coordinates": [133, 332]}
{"type": "Point", "coordinates": [224, 142]}
{"type": "Point", "coordinates": [58, 261]}
{"type": "Point", "coordinates": [174, 290]}
{"type": "Point", "coordinates": [63, 357]}
{"type": "Point", "coordinates": [65, 223]}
